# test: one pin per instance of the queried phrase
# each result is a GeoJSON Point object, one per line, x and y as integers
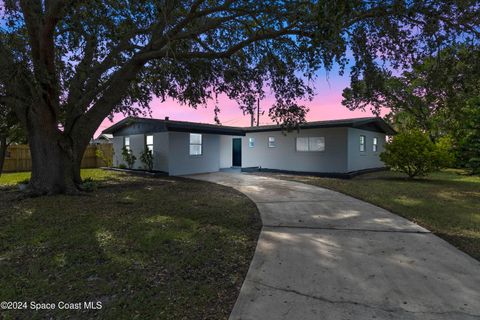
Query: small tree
{"type": "Point", "coordinates": [413, 153]}
{"type": "Point", "coordinates": [147, 159]}
{"type": "Point", "coordinates": [100, 154]}
{"type": "Point", "coordinates": [128, 157]}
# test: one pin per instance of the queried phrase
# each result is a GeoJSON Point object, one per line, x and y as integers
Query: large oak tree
{"type": "Point", "coordinates": [67, 65]}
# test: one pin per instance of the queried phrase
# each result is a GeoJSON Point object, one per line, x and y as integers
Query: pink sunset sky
{"type": "Point", "coordinates": [326, 105]}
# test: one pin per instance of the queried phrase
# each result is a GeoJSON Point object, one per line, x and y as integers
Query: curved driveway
{"type": "Point", "coordinates": [325, 255]}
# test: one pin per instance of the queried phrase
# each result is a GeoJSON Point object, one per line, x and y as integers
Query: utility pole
{"type": "Point", "coordinates": [252, 118]}
{"type": "Point", "coordinates": [258, 112]}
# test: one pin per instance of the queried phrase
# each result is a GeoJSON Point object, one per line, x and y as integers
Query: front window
{"type": "Point", "coordinates": [362, 143]}
{"type": "Point", "coordinates": [271, 142]}
{"type": "Point", "coordinates": [375, 144]}
{"type": "Point", "coordinates": [311, 144]}
{"type": "Point", "coordinates": [251, 142]}
{"type": "Point", "coordinates": [126, 143]}
{"type": "Point", "coordinates": [195, 144]}
{"type": "Point", "coordinates": [316, 144]}
{"type": "Point", "coordinates": [149, 142]}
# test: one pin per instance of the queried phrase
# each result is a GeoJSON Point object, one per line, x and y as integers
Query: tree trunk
{"type": "Point", "coordinates": [56, 156]}
{"type": "Point", "coordinates": [55, 165]}
{"type": "Point", "coordinates": [3, 152]}
{"type": "Point", "coordinates": [52, 166]}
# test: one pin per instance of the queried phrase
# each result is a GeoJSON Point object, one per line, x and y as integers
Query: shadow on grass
{"type": "Point", "coordinates": [148, 248]}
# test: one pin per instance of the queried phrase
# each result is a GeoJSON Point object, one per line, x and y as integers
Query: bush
{"type": "Point", "coordinates": [128, 157]}
{"type": "Point", "coordinates": [122, 166]}
{"type": "Point", "coordinates": [413, 153]}
{"type": "Point", "coordinates": [147, 159]}
{"type": "Point", "coordinates": [108, 162]}
{"type": "Point", "coordinates": [89, 185]}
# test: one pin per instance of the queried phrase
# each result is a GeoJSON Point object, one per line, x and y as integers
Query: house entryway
{"type": "Point", "coordinates": [236, 152]}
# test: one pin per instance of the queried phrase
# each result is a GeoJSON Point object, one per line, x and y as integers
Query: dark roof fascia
{"type": "Point", "coordinates": [350, 123]}
{"type": "Point", "coordinates": [122, 123]}
{"type": "Point", "coordinates": [379, 123]}
{"type": "Point", "coordinates": [205, 129]}
{"type": "Point", "coordinates": [181, 126]}
{"type": "Point", "coordinates": [177, 126]}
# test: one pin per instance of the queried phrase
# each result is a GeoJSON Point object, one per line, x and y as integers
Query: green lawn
{"type": "Point", "coordinates": [447, 203]}
{"type": "Point", "coordinates": [8, 179]}
{"type": "Point", "coordinates": [163, 248]}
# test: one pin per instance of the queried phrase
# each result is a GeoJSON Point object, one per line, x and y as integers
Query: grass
{"type": "Point", "coordinates": [8, 179]}
{"type": "Point", "coordinates": [163, 248]}
{"type": "Point", "coordinates": [447, 203]}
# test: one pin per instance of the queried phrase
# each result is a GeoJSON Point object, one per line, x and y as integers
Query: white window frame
{"type": "Point", "coordinates": [375, 144]}
{"type": "Point", "coordinates": [125, 144]}
{"type": "Point", "coordinates": [363, 143]}
{"type": "Point", "coordinates": [251, 142]}
{"type": "Point", "coordinates": [309, 144]}
{"type": "Point", "coordinates": [195, 144]}
{"type": "Point", "coordinates": [272, 142]}
{"type": "Point", "coordinates": [149, 146]}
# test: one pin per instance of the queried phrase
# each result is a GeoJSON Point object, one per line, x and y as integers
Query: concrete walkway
{"type": "Point", "coordinates": [324, 255]}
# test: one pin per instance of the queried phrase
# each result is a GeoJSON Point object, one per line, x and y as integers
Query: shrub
{"type": "Point", "coordinates": [122, 166]}
{"type": "Point", "coordinates": [89, 185]}
{"type": "Point", "coordinates": [108, 162]}
{"type": "Point", "coordinates": [147, 159]}
{"type": "Point", "coordinates": [128, 157]}
{"type": "Point", "coordinates": [413, 153]}
{"type": "Point", "coordinates": [445, 152]}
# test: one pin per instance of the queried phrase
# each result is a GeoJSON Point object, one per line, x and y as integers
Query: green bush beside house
{"type": "Point", "coordinates": [413, 153]}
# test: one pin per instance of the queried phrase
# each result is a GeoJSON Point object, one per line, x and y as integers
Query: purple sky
{"type": "Point", "coordinates": [326, 105]}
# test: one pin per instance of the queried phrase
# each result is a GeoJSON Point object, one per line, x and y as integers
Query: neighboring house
{"type": "Point", "coordinates": [322, 147]}
{"type": "Point", "coordinates": [102, 139]}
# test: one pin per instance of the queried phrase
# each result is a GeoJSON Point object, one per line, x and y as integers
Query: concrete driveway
{"type": "Point", "coordinates": [325, 255]}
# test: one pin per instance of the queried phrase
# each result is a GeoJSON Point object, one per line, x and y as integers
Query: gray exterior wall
{"type": "Point", "coordinates": [137, 145]}
{"type": "Point", "coordinates": [285, 156]}
{"type": "Point", "coordinates": [182, 163]}
{"type": "Point", "coordinates": [342, 151]}
{"type": "Point", "coordinates": [171, 152]}
{"type": "Point", "coordinates": [369, 159]}
{"type": "Point", "coordinates": [160, 151]}
{"type": "Point", "coordinates": [117, 150]}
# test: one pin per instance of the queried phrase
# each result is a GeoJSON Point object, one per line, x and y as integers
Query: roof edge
{"type": "Point", "coordinates": [350, 122]}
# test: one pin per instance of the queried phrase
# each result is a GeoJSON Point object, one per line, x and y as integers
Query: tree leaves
{"type": "Point", "coordinates": [178, 46]}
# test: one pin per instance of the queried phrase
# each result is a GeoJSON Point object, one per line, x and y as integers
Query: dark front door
{"type": "Point", "coordinates": [237, 152]}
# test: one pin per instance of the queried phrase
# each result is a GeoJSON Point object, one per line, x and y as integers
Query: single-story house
{"type": "Point", "coordinates": [321, 147]}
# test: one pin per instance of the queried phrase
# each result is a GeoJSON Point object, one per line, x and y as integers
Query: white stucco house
{"type": "Point", "coordinates": [336, 147]}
